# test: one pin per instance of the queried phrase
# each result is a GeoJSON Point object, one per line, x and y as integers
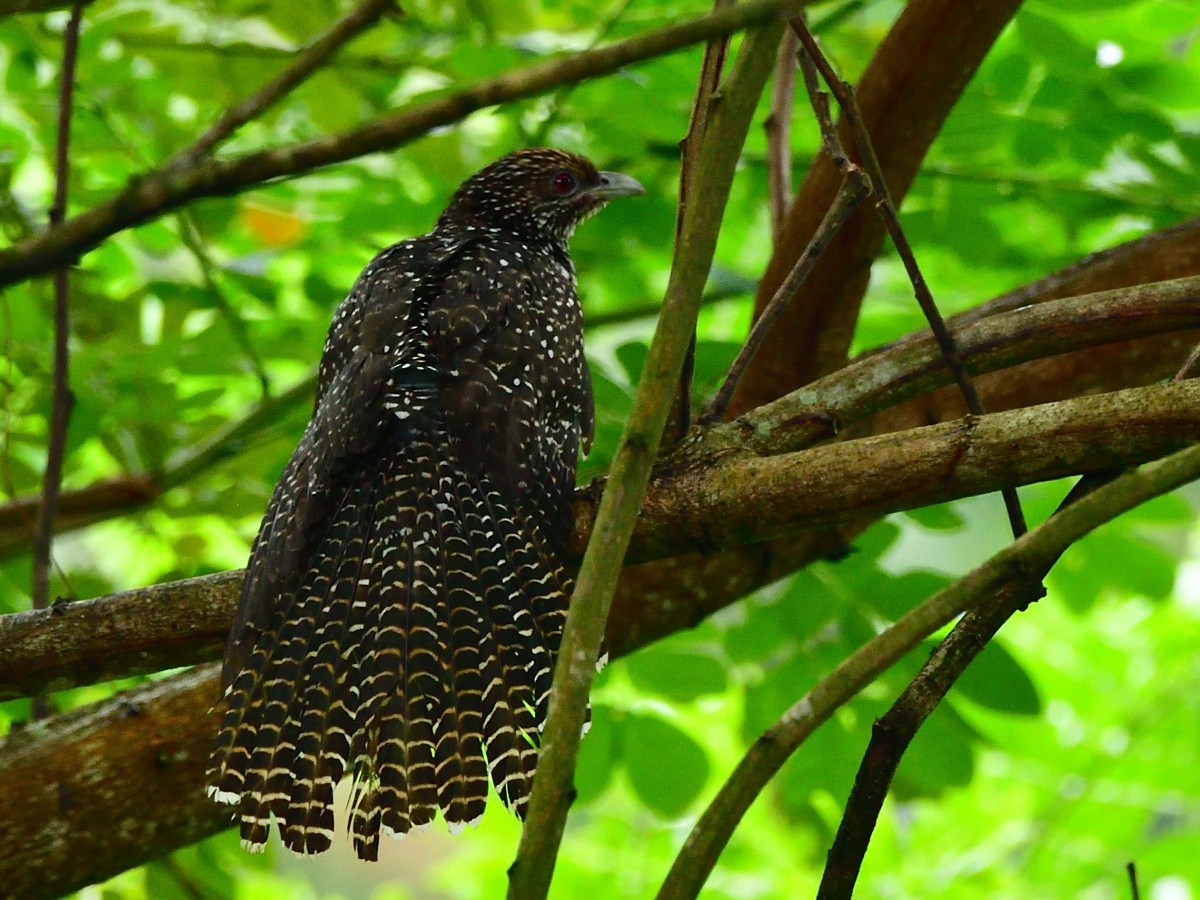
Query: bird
{"type": "Point", "coordinates": [405, 596]}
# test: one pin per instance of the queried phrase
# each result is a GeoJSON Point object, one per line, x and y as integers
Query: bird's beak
{"type": "Point", "coordinates": [614, 184]}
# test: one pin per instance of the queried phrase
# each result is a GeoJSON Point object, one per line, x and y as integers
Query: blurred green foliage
{"type": "Point", "coordinates": [1068, 748]}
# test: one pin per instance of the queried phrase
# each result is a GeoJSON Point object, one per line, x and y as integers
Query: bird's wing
{"type": "Point", "coordinates": [346, 423]}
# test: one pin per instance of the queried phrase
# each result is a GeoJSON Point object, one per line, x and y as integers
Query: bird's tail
{"type": "Point", "coordinates": [416, 654]}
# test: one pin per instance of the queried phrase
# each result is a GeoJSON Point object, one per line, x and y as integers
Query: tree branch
{"type": "Point", "coordinates": [739, 499]}
{"type": "Point", "coordinates": [1004, 582]}
{"type": "Point", "coordinates": [93, 792]}
{"type": "Point", "coordinates": [163, 190]}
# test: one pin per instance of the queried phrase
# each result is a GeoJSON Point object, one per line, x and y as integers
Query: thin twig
{"type": "Point", "coordinates": [1007, 581]}
{"type": "Point", "coordinates": [530, 874]}
{"type": "Point", "coordinates": [63, 400]}
{"type": "Point", "coordinates": [854, 190]}
{"type": "Point", "coordinates": [1131, 870]}
{"type": "Point", "coordinates": [160, 191]}
{"type": "Point", "coordinates": [844, 93]}
{"type": "Point", "coordinates": [1191, 366]}
{"type": "Point", "coordinates": [309, 61]}
{"type": "Point", "coordinates": [707, 94]}
{"type": "Point", "coordinates": [778, 128]}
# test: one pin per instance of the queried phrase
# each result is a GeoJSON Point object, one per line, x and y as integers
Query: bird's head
{"type": "Point", "coordinates": [540, 193]}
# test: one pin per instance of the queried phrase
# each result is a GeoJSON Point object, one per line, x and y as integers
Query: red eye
{"type": "Point", "coordinates": [564, 183]}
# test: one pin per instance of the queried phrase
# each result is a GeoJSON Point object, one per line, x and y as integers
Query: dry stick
{"type": "Point", "coordinates": [1003, 582]}
{"type": "Point", "coordinates": [530, 874]}
{"type": "Point", "coordinates": [853, 191]}
{"type": "Point", "coordinates": [63, 400]}
{"type": "Point", "coordinates": [844, 93]}
{"type": "Point", "coordinates": [1131, 870]}
{"type": "Point", "coordinates": [778, 129]}
{"type": "Point", "coordinates": [309, 61]}
{"type": "Point", "coordinates": [160, 191]}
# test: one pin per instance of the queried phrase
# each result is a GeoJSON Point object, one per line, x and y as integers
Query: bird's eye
{"type": "Point", "coordinates": [564, 183]}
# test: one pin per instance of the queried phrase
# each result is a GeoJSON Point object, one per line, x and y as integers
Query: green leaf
{"type": "Point", "coordinates": [996, 679]}
{"type": "Point", "coordinates": [666, 767]}
{"type": "Point", "coordinates": [678, 675]}
{"type": "Point", "coordinates": [597, 755]}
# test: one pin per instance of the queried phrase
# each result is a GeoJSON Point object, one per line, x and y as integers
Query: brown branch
{"type": "Point", "coordinates": [905, 96]}
{"type": "Point", "coordinates": [739, 499]}
{"type": "Point", "coordinates": [63, 399]}
{"type": "Point", "coordinates": [660, 598]}
{"type": "Point", "coordinates": [93, 792]}
{"type": "Point", "coordinates": [309, 61]}
{"type": "Point", "coordinates": [161, 190]}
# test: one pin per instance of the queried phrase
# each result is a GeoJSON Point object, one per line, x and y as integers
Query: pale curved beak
{"type": "Point", "coordinates": [614, 184]}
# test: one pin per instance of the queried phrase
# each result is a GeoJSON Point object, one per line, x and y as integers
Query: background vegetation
{"type": "Point", "coordinates": [1068, 749]}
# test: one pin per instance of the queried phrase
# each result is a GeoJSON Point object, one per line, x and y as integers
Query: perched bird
{"type": "Point", "coordinates": [405, 596]}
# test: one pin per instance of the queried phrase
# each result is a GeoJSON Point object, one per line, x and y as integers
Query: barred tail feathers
{"type": "Point", "coordinates": [417, 655]}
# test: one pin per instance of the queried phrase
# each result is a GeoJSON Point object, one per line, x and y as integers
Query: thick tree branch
{"type": "Point", "coordinates": [90, 793]}
{"type": "Point", "coordinates": [163, 190]}
{"type": "Point", "coordinates": [739, 499]}
{"type": "Point", "coordinates": [660, 598]}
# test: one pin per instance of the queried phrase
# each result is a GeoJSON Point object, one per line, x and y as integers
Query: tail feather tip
{"type": "Point", "coordinates": [219, 796]}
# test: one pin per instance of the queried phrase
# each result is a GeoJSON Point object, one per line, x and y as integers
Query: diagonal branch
{"type": "Point", "coordinates": [163, 190]}
{"type": "Point", "coordinates": [1008, 580]}
{"type": "Point", "coordinates": [309, 61]}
